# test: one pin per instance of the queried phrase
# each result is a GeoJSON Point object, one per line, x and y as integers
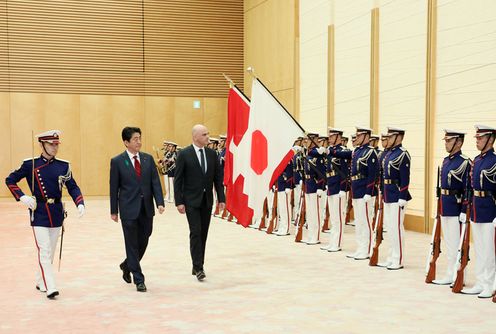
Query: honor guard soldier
{"type": "Point", "coordinates": [45, 205]}
{"type": "Point", "coordinates": [298, 167]}
{"type": "Point", "coordinates": [363, 178]}
{"type": "Point", "coordinates": [285, 183]}
{"type": "Point", "coordinates": [314, 188]}
{"type": "Point", "coordinates": [396, 178]}
{"type": "Point", "coordinates": [454, 174]}
{"type": "Point", "coordinates": [322, 195]}
{"type": "Point", "coordinates": [170, 168]}
{"type": "Point", "coordinates": [337, 175]}
{"type": "Point", "coordinates": [483, 211]}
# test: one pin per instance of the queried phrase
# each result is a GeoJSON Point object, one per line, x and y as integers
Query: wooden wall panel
{"type": "Point", "coordinates": [134, 47]}
{"type": "Point", "coordinates": [215, 116]}
{"type": "Point", "coordinates": [403, 40]}
{"type": "Point", "coordinates": [270, 44]}
{"type": "Point", "coordinates": [184, 119]}
{"type": "Point", "coordinates": [5, 158]}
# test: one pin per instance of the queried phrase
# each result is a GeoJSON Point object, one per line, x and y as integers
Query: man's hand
{"type": "Point", "coordinates": [161, 209]}
{"type": "Point", "coordinates": [463, 217]}
{"type": "Point", "coordinates": [222, 206]}
{"type": "Point", "coordinates": [29, 201]}
{"type": "Point", "coordinates": [114, 217]}
{"type": "Point", "coordinates": [367, 197]}
{"type": "Point", "coordinates": [402, 203]}
{"type": "Point", "coordinates": [182, 209]}
{"type": "Point", "coordinates": [81, 210]}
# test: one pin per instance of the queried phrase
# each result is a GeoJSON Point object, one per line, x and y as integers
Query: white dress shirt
{"type": "Point", "coordinates": [131, 156]}
{"type": "Point", "coordinates": [198, 155]}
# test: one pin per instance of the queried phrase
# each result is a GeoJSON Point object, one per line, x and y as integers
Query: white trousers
{"type": "Point", "coordinates": [485, 265]}
{"type": "Point", "coordinates": [313, 217]}
{"type": "Point", "coordinates": [169, 188]}
{"type": "Point", "coordinates": [394, 217]}
{"type": "Point", "coordinates": [46, 242]}
{"type": "Point", "coordinates": [363, 227]}
{"type": "Point", "coordinates": [297, 195]}
{"type": "Point", "coordinates": [283, 210]}
{"type": "Point", "coordinates": [322, 206]}
{"type": "Point", "coordinates": [337, 217]}
{"type": "Point", "coordinates": [450, 226]}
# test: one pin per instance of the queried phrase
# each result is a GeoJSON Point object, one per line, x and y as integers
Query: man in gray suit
{"type": "Point", "coordinates": [197, 171]}
{"type": "Point", "coordinates": [134, 183]}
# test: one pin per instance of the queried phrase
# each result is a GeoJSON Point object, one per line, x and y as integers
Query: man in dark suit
{"type": "Point", "coordinates": [134, 183]}
{"type": "Point", "coordinates": [197, 171]}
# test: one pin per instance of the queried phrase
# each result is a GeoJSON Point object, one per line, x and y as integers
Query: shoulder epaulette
{"type": "Point", "coordinates": [402, 148]}
{"type": "Point", "coordinates": [29, 159]}
{"type": "Point", "coordinates": [62, 160]}
{"type": "Point", "coordinates": [464, 157]}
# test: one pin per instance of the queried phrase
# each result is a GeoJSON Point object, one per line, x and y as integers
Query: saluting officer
{"type": "Point", "coordinates": [45, 204]}
{"type": "Point", "coordinates": [337, 174]}
{"type": "Point", "coordinates": [483, 212]}
{"type": "Point", "coordinates": [363, 176]}
{"type": "Point", "coordinates": [454, 173]}
{"type": "Point", "coordinates": [396, 178]}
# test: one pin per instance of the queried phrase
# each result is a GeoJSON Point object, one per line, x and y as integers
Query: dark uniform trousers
{"type": "Point", "coordinates": [199, 222]}
{"type": "Point", "coordinates": [136, 235]}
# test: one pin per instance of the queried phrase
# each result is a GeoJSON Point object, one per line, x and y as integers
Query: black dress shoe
{"type": "Point", "coordinates": [200, 275]}
{"type": "Point", "coordinates": [126, 274]}
{"type": "Point", "coordinates": [141, 287]}
{"type": "Point", "coordinates": [53, 295]}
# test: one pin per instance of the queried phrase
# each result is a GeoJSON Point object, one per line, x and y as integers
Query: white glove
{"type": "Point", "coordinates": [297, 148]}
{"type": "Point", "coordinates": [342, 194]}
{"type": "Point", "coordinates": [320, 192]}
{"type": "Point", "coordinates": [321, 150]}
{"type": "Point", "coordinates": [367, 197]}
{"type": "Point", "coordinates": [494, 222]}
{"type": "Point", "coordinates": [288, 190]}
{"type": "Point", "coordinates": [402, 203]}
{"type": "Point", "coordinates": [81, 210]}
{"type": "Point", "coordinates": [29, 201]}
{"type": "Point", "coordinates": [301, 182]}
{"type": "Point", "coordinates": [463, 217]}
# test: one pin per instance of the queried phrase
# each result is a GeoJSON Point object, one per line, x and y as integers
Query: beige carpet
{"type": "Point", "coordinates": [256, 283]}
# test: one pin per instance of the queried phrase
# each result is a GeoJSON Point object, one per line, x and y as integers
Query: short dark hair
{"type": "Point", "coordinates": [129, 131]}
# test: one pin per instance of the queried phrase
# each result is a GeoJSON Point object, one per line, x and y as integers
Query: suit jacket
{"type": "Point", "coordinates": [190, 183]}
{"type": "Point", "coordinates": [127, 190]}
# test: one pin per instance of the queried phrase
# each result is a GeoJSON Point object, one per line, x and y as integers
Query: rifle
{"type": "Point", "coordinates": [435, 248]}
{"type": "Point", "coordinates": [62, 235]}
{"type": "Point", "coordinates": [348, 209]}
{"type": "Point", "coordinates": [292, 202]}
{"type": "Point", "coordinates": [273, 218]}
{"type": "Point", "coordinates": [464, 246]}
{"type": "Point", "coordinates": [378, 234]}
{"type": "Point", "coordinates": [325, 226]}
{"type": "Point", "coordinates": [264, 214]}
{"type": "Point", "coordinates": [300, 218]}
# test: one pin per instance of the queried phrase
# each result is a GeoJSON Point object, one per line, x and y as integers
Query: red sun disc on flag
{"type": "Point", "coordinates": [258, 152]}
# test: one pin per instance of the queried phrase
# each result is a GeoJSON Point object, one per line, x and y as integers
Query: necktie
{"type": "Point", "coordinates": [137, 166]}
{"type": "Point", "coordinates": [202, 159]}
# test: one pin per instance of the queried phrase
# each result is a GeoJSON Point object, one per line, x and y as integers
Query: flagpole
{"type": "Point", "coordinates": [232, 85]}
{"type": "Point", "coordinates": [251, 71]}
